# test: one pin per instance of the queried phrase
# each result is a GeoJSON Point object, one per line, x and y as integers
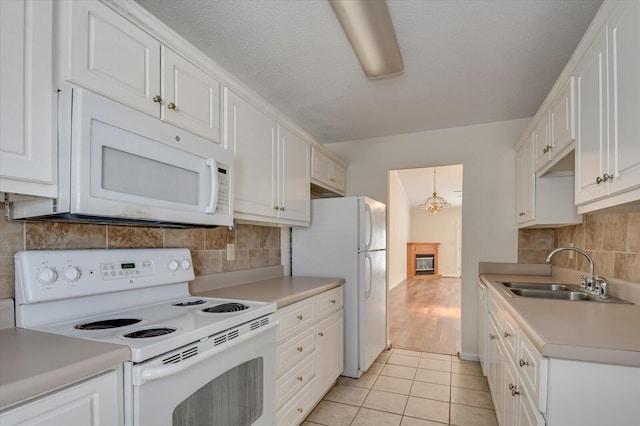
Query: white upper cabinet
{"type": "Point", "coordinates": [608, 114]}
{"type": "Point", "coordinates": [108, 54]}
{"type": "Point", "coordinates": [190, 97]}
{"type": "Point", "coordinates": [272, 166]}
{"type": "Point", "coordinates": [562, 119]}
{"type": "Point", "coordinates": [327, 173]}
{"type": "Point", "coordinates": [294, 198]}
{"type": "Point", "coordinates": [525, 184]}
{"type": "Point", "coordinates": [28, 151]}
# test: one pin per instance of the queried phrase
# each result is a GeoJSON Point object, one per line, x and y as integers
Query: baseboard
{"type": "Point", "coordinates": [469, 357]}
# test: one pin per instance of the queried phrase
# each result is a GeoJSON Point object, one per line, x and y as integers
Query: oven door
{"type": "Point", "coordinates": [126, 164]}
{"type": "Point", "coordinates": [232, 383]}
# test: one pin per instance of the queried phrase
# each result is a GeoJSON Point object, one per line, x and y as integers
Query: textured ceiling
{"type": "Point", "coordinates": [418, 184]}
{"type": "Point", "coordinates": [466, 62]}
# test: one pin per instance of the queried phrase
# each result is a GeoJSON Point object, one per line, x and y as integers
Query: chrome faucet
{"type": "Point", "coordinates": [593, 283]}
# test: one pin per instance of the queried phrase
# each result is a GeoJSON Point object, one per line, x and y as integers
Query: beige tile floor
{"type": "Point", "coordinates": [409, 388]}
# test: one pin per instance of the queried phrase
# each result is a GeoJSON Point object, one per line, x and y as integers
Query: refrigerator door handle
{"type": "Point", "coordinates": [369, 284]}
{"type": "Point", "coordinates": [367, 209]}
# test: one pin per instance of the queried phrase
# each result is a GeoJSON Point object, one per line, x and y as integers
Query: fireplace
{"type": "Point", "coordinates": [425, 264]}
{"type": "Point", "coordinates": [422, 259]}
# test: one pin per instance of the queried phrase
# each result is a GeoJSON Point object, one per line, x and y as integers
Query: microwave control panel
{"type": "Point", "coordinates": [223, 190]}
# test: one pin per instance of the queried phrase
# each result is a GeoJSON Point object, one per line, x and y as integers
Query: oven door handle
{"type": "Point", "coordinates": [147, 374]}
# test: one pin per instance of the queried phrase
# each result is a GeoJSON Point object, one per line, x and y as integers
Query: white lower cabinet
{"type": "Point", "coordinates": [529, 389]}
{"type": "Point", "coordinates": [96, 401]}
{"type": "Point", "coordinates": [517, 372]}
{"type": "Point", "coordinates": [310, 354]}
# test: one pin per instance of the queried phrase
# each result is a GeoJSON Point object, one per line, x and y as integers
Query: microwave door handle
{"type": "Point", "coordinates": [211, 162]}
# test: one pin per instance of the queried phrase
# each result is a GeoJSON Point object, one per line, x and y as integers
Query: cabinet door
{"type": "Point", "coordinates": [561, 115]}
{"type": "Point", "coordinates": [111, 56]}
{"type": "Point", "coordinates": [252, 137]}
{"type": "Point", "coordinates": [511, 394]}
{"type": "Point", "coordinates": [591, 121]}
{"type": "Point", "coordinates": [528, 415]}
{"type": "Point", "coordinates": [190, 97]}
{"type": "Point", "coordinates": [94, 402]}
{"type": "Point", "coordinates": [525, 184]}
{"type": "Point", "coordinates": [27, 105]}
{"type": "Point", "coordinates": [541, 142]}
{"type": "Point", "coordinates": [294, 197]}
{"type": "Point", "coordinates": [321, 167]}
{"type": "Point", "coordinates": [330, 351]}
{"type": "Point", "coordinates": [338, 177]}
{"type": "Point", "coordinates": [494, 354]}
{"type": "Point", "coordinates": [624, 97]}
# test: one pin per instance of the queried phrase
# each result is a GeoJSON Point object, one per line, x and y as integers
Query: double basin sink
{"type": "Point", "coordinates": [556, 291]}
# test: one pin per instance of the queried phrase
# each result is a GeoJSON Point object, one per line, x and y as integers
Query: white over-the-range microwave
{"type": "Point", "coordinates": [118, 165]}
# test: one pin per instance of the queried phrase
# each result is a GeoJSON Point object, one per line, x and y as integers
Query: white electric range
{"type": "Point", "coordinates": [140, 298]}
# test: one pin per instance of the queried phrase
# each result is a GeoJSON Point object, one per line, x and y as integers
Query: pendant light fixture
{"type": "Point", "coordinates": [435, 203]}
{"type": "Point", "coordinates": [368, 27]}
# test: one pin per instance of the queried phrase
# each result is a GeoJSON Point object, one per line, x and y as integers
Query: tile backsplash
{"type": "Point", "coordinates": [612, 240]}
{"type": "Point", "coordinates": [256, 246]}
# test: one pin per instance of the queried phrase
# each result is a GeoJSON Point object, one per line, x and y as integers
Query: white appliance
{"type": "Point", "coordinates": [194, 360]}
{"type": "Point", "coordinates": [347, 239]}
{"type": "Point", "coordinates": [117, 164]}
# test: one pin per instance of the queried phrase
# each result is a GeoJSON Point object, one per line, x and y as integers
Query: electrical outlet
{"type": "Point", "coordinates": [231, 252]}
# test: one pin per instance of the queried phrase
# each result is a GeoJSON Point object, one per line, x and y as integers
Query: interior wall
{"type": "Point", "coordinates": [489, 232]}
{"type": "Point", "coordinates": [399, 224]}
{"type": "Point", "coordinates": [440, 228]}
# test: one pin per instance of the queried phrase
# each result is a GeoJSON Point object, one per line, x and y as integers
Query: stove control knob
{"type": "Point", "coordinates": [185, 265]}
{"type": "Point", "coordinates": [71, 274]}
{"type": "Point", "coordinates": [47, 276]}
{"type": "Point", "coordinates": [173, 265]}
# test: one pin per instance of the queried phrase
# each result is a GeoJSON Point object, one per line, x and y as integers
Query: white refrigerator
{"type": "Point", "coordinates": [347, 238]}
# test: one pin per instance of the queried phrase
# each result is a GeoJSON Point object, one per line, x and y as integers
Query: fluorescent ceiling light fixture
{"type": "Point", "coordinates": [368, 27]}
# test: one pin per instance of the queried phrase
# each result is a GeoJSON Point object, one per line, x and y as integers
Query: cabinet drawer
{"type": "Point", "coordinates": [299, 407]}
{"type": "Point", "coordinates": [532, 366]}
{"type": "Point", "coordinates": [294, 379]}
{"type": "Point", "coordinates": [510, 334]}
{"type": "Point", "coordinates": [296, 317]}
{"type": "Point", "coordinates": [329, 302]}
{"type": "Point", "coordinates": [295, 349]}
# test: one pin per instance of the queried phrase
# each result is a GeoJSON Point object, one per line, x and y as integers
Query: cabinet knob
{"type": "Point", "coordinates": [171, 106]}
{"type": "Point", "coordinates": [521, 214]}
{"type": "Point", "coordinates": [511, 386]}
{"type": "Point", "coordinates": [300, 409]}
{"type": "Point", "coordinates": [492, 336]}
{"type": "Point", "coordinates": [546, 149]}
{"type": "Point", "coordinates": [276, 208]}
{"type": "Point", "coordinates": [599, 180]}
{"type": "Point", "coordinates": [321, 334]}
{"type": "Point", "coordinates": [157, 99]}
{"type": "Point", "coordinates": [522, 362]}
{"type": "Point", "coordinates": [506, 334]}
{"type": "Point", "coordinates": [300, 317]}
{"type": "Point", "coordinates": [282, 209]}
{"type": "Point", "coordinates": [300, 348]}
{"type": "Point", "coordinates": [300, 378]}
{"type": "Point", "coordinates": [332, 301]}
{"type": "Point", "coordinates": [605, 177]}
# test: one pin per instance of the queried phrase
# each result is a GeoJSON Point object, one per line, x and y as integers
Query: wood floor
{"type": "Point", "coordinates": [424, 315]}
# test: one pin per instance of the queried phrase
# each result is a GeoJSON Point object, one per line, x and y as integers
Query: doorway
{"type": "Point", "coordinates": [424, 307]}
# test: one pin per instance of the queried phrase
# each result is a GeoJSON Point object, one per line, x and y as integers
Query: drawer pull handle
{"type": "Point", "coordinates": [333, 301]}
{"type": "Point", "coordinates": [171, 106]}
{"type": "Point", "coordinates": [300, 409]}
{"type": "Point", "coordinates": [522, 362]}
{"type": "Point", "coordinates": [321, 334]}
{"type": "Point", "coordinates": [300, 349]}
{"type": "Point", "coordinates": [300, 378]}
{"type": "Point", "coordinates": [492, 336]}
{"type": "Point", "coordinates": [300, 317]}
{"type": "Point", "coordinates": [507, 334]}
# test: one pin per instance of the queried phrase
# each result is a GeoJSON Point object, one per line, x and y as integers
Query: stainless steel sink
{"type": "Point", "coordinates": [550, 294]}
{"type": "Point", "coordinates": [557, 292]}
{"type": "Point", "coordinates": [536, 286]}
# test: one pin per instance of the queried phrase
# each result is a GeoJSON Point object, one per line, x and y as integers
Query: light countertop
{"type": "Point", "coordinates": [577, 330]}
{"type": "Point", "coordinates": [282, 290]}
{"type": "Point", "coordinates": [34, 363]}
